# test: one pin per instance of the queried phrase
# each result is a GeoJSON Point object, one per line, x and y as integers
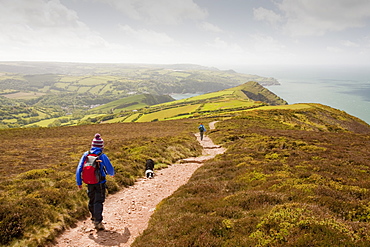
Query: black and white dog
{"type": "Point", "coordinates": [149, 168]}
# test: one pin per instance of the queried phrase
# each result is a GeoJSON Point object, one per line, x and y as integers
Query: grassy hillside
{"type": "Point", "coordinates": [38, 195]}
{"type": "Point", "coordinates": [148, 108]}
{"type": "Point", "coordinates": [289, 177]}
{"type": "Point", "coordinates": [131, 103]}
{"type": "Point", "coordinates": [249, 95]}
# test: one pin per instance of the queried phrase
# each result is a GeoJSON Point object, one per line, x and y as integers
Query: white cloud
{"type": "Point", "coordinates": [262, 14]}
{"type": "Point", "coordinates": [159, 11]}
{"type": "Point", "coordinates": [317, 17]}
{"type": "Point", "coordinates": [146, 36]}
{"type": "Point", "coordinates": [334, 49]}
{"type": "Point", "coordinates": [221, 45]}
{"type": "Point", "coordinates": [209, 27]}
{"type": "Point", "coordinates": [46, 30]}
{"type": "Point", "coordinates": [43, 23]}
{"type": "Point", "coordinates": [266, 44]}
{"type": "Point", "coordinates": [349, 43]}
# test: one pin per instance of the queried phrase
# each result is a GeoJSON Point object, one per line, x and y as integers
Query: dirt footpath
{"type": "Point", "coordinates": [126, 213]}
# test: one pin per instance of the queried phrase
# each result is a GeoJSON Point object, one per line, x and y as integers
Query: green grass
{"type": "Point", "coordinates": [96, 89]}
{"type": "Point", "coordinates": [73, 88]}
{"type": "Point", "coordinates": [95, 80]}
{"type": "Point", "coordinates": [23, 95]}
{"type": "Point", "coordinates": [208, 96]}
{"type": "Point", "coordinates": [131, 102]}
{"type": "Point", "coordinates": [222, 102]}
{"type": "Point", "coordinates": [164, 114]}
{"type": "Point", "coordinates": [284, 107]}
{"type": "Point", "coordinates": [116, 120]}
{"type": "Point", "coordinates": [92, 116]}
{"type": "Point", "coordinates": [62, 85]}
{"type": "Point", "coordinates": [11, 76]}
{"type": "Point", "coordinates": [107, 88]}
{"type": "Point", "coordinates": [132, 118]}
{"type": "Point", "coordinates": [227, 104]}
{"type": "Point", "coordinates": [83, 89]}
{"type": "Point", "coordinates": [65, 78]}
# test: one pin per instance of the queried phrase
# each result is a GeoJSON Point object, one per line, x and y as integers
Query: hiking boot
{"type": "Point", "coordinates": [99, 226]}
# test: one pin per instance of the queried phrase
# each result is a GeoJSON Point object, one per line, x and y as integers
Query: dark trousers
{"type": "Point", "coordinates": [201, 135]}
{"type": "Point", "coordinates": [96, 193]}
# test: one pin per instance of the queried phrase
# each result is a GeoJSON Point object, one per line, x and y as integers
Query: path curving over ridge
{"type": "Point", "coordinates": [126, 213]}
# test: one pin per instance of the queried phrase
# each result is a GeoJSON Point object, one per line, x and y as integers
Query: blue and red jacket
{"type": "Point", "coordinates": [105, 167]}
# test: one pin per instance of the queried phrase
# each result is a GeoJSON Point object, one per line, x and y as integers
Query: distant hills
{"type": "Point", "coordinates": [54, 94]}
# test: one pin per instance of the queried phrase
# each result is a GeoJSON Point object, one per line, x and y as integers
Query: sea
{"type": "Point", "coordinates": [345, 88]}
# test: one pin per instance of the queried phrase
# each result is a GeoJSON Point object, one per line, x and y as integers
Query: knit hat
{"type": "Point", "coordinates": [97, 141]}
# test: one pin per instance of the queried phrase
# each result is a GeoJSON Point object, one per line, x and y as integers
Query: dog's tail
{"type": "Point", "coordinates": [149, 173]}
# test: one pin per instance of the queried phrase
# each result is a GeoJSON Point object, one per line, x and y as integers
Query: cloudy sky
{"type": "Point", "coordinates": [205, 32]}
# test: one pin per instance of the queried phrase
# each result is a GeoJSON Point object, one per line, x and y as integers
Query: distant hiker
{"type": "Point", "coordinates": [202, 129]}
{"type": "Point", "coordinates": [149, 168]}
{"type": "Point", "coordinates": [94, 165]}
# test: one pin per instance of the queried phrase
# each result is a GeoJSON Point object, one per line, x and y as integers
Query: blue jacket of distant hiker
{"type": "Point", "coordinates": [105, 166]}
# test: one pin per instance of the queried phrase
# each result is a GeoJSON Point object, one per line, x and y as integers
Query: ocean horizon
{"type": "Point", "coordinates": [341, 87]}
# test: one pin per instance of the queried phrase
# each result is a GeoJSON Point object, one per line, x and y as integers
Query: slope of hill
{"type": "Point", "coordinates": [131, 103]}
{"type": "Point", "coordinates": [278, 184]}
{"type": "Point", "coordinates": [246, 96]}
{"type": "Point", "coordinates": [38, 194]}
{"type": "Point", "coordinates": [148, 108]}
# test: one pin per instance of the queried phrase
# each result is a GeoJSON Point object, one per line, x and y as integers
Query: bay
{"type": "Point", "coordinates": [345, 88]}
{"type": "Point", "coordinates": [178, 96]}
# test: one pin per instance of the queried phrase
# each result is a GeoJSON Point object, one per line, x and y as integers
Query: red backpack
{"type": "Point", "coordinates": [91, 169]}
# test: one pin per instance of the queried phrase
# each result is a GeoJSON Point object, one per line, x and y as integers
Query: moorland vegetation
{"type": "Point", "coordinates": [38, 193]}
{"type": "Point", "coordinates": [297, 177]}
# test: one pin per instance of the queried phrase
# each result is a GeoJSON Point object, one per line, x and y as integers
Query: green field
{"type": "Point", "coordinates": [62, 85]}
{"type": "Point", "coordinates": [71, 78]}
{"type": "Point", "coordinates": [227, 104]}
{"type": "Point", "coordinates": [23, 95]}
{"type": "Point", "coordinates": [132, 118]}
{"type": "Point", "coordinates": [95, 80]}
{"type": "Point", "coordinates": [169, 113]}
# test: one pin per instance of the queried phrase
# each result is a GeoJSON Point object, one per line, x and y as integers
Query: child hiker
{"type": "Point", "coordinates": [94, 165]}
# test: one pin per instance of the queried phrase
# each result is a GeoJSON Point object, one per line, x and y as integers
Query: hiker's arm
{"type": "Point", "coordinates": [107, 164]}
{"type": "Point", "coordinates": [79, 171]}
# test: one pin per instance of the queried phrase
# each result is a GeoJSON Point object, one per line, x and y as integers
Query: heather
{"type": "Point", "coordinates": [39, 197]}
{"type": "Point", "coordinates": [288, 178]}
